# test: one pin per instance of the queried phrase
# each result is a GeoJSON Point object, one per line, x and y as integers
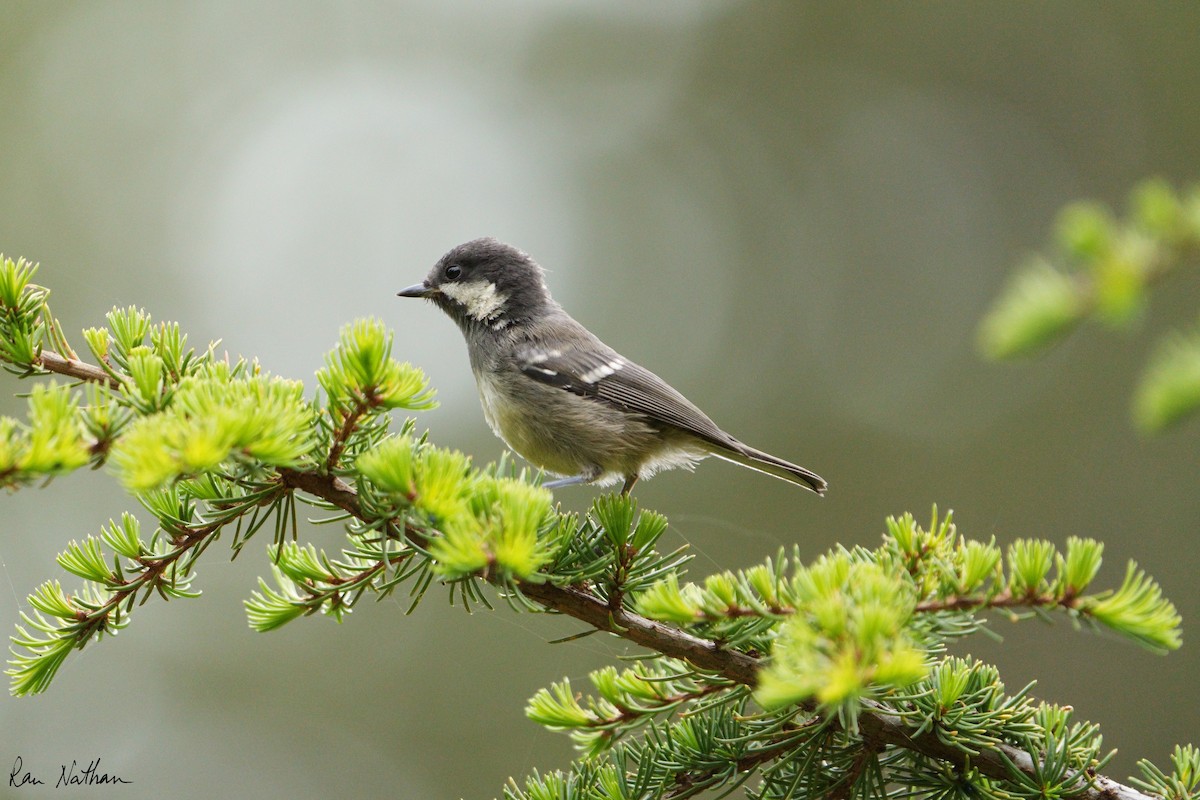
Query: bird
{"type": "Point", "coordinates": [561, 398]}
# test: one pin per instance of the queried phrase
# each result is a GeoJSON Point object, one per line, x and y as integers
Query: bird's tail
{"type": "Point", "coordinates": [766, 463]}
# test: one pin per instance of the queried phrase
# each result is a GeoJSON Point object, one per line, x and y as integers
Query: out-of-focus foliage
{"type": "Point", "coordinates": [1104, 268]}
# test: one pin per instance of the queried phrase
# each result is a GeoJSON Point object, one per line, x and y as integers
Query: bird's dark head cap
{"type": "Point", "coordinates": [485, 281]}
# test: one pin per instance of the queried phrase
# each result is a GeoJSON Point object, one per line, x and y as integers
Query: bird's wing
{"type": "Point", "coordinates": [605, 376]}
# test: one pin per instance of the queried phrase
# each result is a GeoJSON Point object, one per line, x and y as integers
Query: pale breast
{"type": "Point", "coordinates": [489, 398]}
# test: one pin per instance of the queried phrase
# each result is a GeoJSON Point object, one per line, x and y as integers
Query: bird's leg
{"type": "Point", "coordinates": [630, 480]}
{"type": "Point", "coordinates": [561, 482]}
{"type": "Point", "coordinates": [583, 477]}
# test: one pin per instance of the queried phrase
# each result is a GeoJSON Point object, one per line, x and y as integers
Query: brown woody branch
{"type": "Point", "coordinates": [53, 362]}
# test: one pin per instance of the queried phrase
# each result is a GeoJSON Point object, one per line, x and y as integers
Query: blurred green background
{"type": "Point", "coordinates": [794, 212]}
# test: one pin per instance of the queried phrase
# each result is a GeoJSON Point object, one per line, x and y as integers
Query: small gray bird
{"type": "Point", "coordinates": [560, 397]}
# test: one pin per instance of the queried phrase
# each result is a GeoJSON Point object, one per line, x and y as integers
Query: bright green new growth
{"type": "Point", "coordinates": [51, 443]}
{"type": "Point", "coordinates": [847, 642]}
{"type": "Point", "coordinates": [1170, 389]}
{"type": "Point", "coordinates": [1182, 783]}
{"type": "Point", "coordinates": [360, 371]}
{"type": "Point", "coordinates": [1039, 305]}
{"type": "Point", "coordinates": [860, 624]}
{"type": "Point", "coordinates": [483, 521]}
{"type": "Point", "coordinates": [214, 416]}
{"type": "Point", "coordinates": [23, 326]}
{"type": "Point", "coordinates": [821, 679]}
{"type": "Point", "coordinates": [1105, 268]}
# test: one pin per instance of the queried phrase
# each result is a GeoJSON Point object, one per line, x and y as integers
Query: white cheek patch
{"type": "Point", "coordinates": [479, 298]}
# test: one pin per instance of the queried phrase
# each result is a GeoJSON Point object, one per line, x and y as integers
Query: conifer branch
{"type": "Point", "coordinates": [668, 640]}
{"type": "Point", "coordinates": [878, 728]}
{"type": "Point", "coordinates": [882, 729]}
{"type": "Point", "coordinates": [572, 601]}
{"type": "Point", "coordinates": [968, 602]}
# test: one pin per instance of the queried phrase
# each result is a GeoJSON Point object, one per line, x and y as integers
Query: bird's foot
{"type": "Point", "coordinates": [561, 482]}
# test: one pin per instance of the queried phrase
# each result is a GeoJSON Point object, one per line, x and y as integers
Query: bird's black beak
{"type": "Point", "coordinates": [416, 290]}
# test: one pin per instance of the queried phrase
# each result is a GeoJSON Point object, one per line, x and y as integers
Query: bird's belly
{"type": "Point", "coordinates": [561, 432]}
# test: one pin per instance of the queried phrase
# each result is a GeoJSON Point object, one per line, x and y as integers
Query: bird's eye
{"type": "Point", "coordinates": [453, 272]}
